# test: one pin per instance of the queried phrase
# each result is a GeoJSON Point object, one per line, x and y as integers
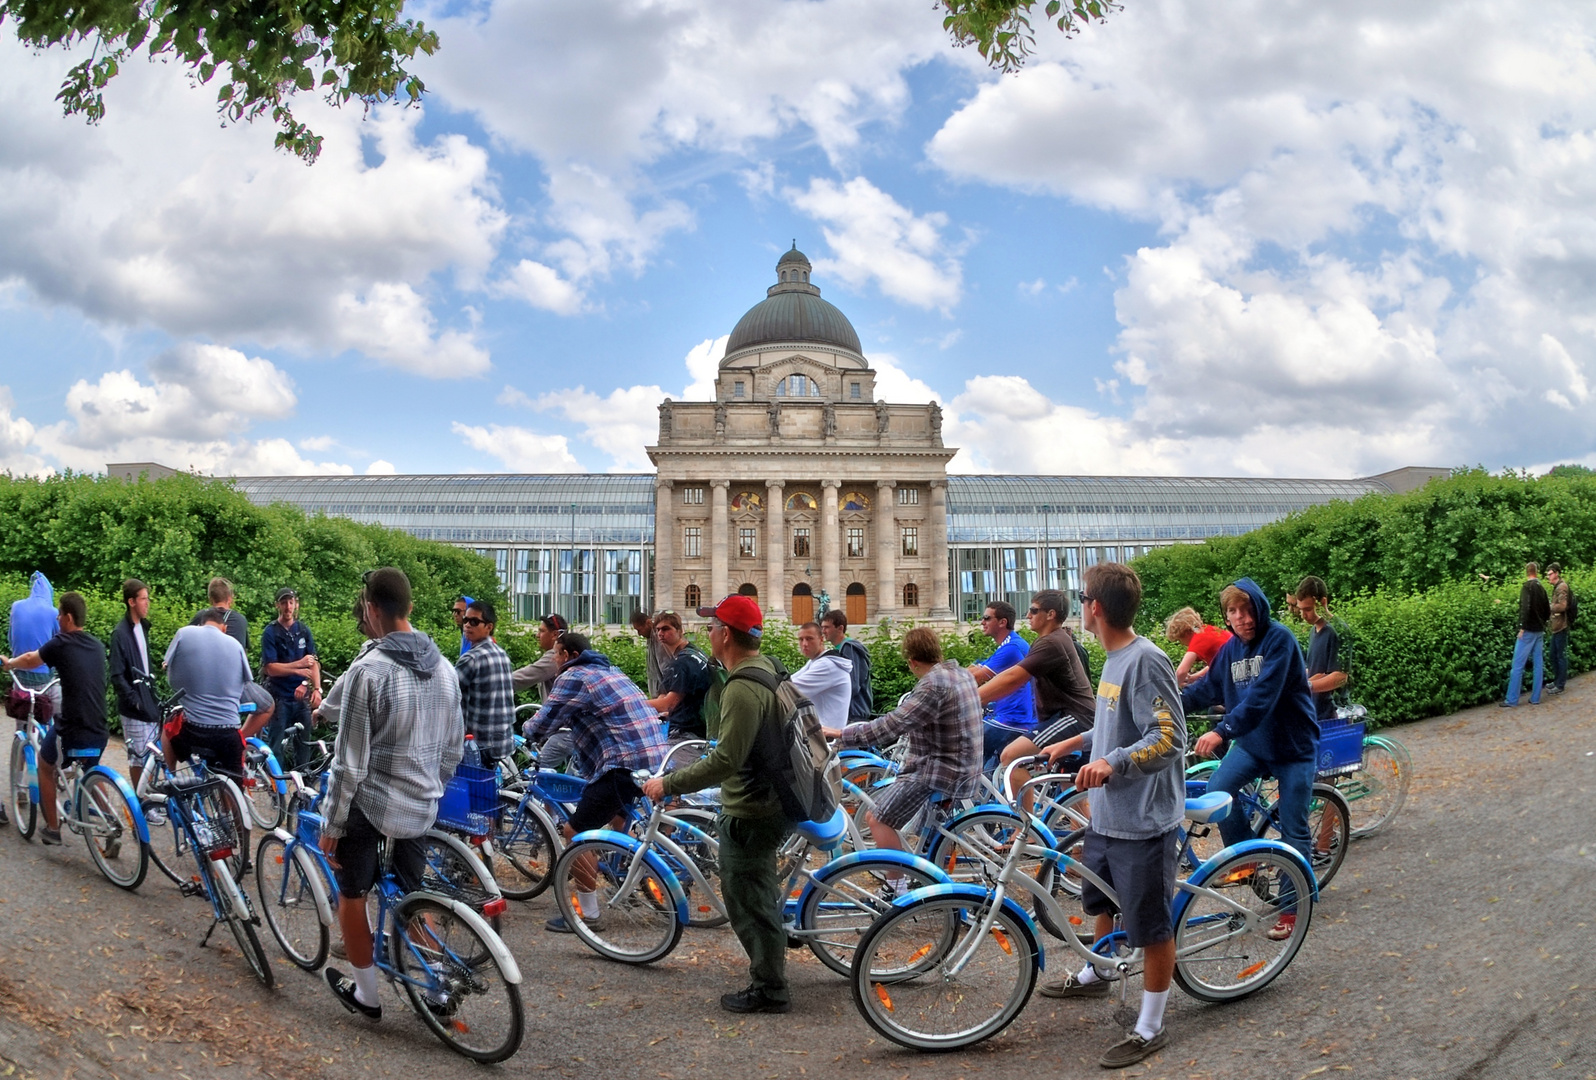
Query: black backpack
{"type": "Point", "coordinates": [790, 752]}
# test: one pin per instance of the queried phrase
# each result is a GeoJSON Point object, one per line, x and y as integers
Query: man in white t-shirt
{"type": "Point", "coordinates": [826, 679]}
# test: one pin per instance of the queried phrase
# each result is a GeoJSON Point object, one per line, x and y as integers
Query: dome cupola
{"type": "Point", "coordinates": [793, 311]}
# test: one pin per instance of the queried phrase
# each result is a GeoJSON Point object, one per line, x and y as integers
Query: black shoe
{"type": "Point", "coordinates": [753, 1000]}
{"type": "Point", "coordinates": [4, 820]}
{"type": "Point", "coordinates": [343, 988]}
{"type": "Point", "coordinates": [1549, 690]}
{"type": "Point", "coordinates": [49, 837]}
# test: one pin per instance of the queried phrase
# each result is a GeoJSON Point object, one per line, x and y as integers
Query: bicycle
{"type": "Point", "coordinates": [1377, 785]}
{"type": "Point", "coordinates": [953, 964]}
{"type": "Point", "coordinates": [96, 803]}
{"type": "Point", "coordinates": [200, 807]}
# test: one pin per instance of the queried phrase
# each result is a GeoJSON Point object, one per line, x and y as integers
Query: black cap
{"type": "Point", "coordinates": [286, 593]}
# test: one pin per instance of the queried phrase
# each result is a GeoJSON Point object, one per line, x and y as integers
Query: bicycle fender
{"type": "Point", "coordinates": [126, 789]}
{"type": "Point", "coordinates": [307, 866]}
{"type": "Point", "coordinates": [273, 769]}
{"type": "Point", "coordinates": [978, 897]}
{"type": "Point", "coordinates": [1049, 837]}
{"type": "Point", "coordinates": [30, 759]}
{"type": "Point", "coordinates": [655, 863]}
{"type": "Point", "coordinates": [878, 856]}
{"type": "Point", "coordinates": [496, 945]}
{"type": "Point", "coordinates": [853, 759]}
{"type": "Point", "coordinates": [1203, 872]}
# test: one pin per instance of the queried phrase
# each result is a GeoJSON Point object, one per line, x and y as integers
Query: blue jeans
{"type": "Point", "coordinates": [289, 712]}
{"type": "Point", "coordinates": [1296, 790]}
{"type": "Point", "coordinates": [1526, 645]}
{"type": "Point", "coordinates": [1557, 656]}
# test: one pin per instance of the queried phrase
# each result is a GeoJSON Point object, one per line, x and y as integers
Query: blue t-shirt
{"type": "Point", "coordinates": [283, 646]}
{"type": "Point", "coordinates": [1016, 709]}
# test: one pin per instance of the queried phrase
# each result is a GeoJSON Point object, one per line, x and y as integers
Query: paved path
{"type": "Point", "coordinates": [1458, 944]}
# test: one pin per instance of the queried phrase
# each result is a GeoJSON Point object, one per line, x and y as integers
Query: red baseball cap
{"type": "Point", "coordinates": [738, 612]}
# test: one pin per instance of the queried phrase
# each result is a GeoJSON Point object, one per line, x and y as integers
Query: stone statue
{"type": "Point", "coordinates": [828, 420]}
{"type": "Point", "coordinates": [665, 420]}
{"type": "Point", "coordinates": [774, 412]}
{"type": "Point", "coordinates": [936, 422]}
{"type": "Point", "coordinates": [883, 417]}
{"type": "Point", "coordinates": [720, 421]}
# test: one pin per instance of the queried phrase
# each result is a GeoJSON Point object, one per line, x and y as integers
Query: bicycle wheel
{"type": "Point", "coordinates": [702, 912]}
{"type": "Point", "coordinates": [454, 870]}
{"type": "Point", "coordinates": [524, 850]}
{"type": "Point", "coordinates": [844, 903]}
{"type": "Point", "coordinates": [1329, 831]}
{"type": "Point", "coordinates": [287, 890]}
{"type": "Point", "coordinates": [905, 989]}
{"type": "Point", "coordinates": [637, 927]}
{"type": "Point", "coordinates": [234, 910]}
{"type": "Point", "coordinates": [266, 807]}
{"type": "Point", "coordinates": [1223, 950]}
{"type": "Point", "coordinates": [24, 814]}
{"type": "Point", "coordinates": [983, 841]}
{"type": "Point", "coordinates": [110, 831]}
{"type": "Point", "coordinates": [1378, 789]}
{"type": "Point", "coordinates": [455, 981]}
{"type": "Point", "coordinates": [168, 842]}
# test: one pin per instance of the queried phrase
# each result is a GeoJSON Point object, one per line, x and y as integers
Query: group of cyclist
{"type": "Point", "coordinates": [406, 717]}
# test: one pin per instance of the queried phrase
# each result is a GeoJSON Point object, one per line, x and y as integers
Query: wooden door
{"type": "Point", "coordinates": [855, 607]}
{"type": "Point", "coordinates": [803, 609]}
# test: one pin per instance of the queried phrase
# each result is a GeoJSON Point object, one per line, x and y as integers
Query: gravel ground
{"type": "Point", "coordinates": [1456, 944]}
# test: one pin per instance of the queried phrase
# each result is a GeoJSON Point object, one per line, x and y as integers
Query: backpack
{"type": "Point", "coordinates": [1086, 662]}
{"type": "Point", "coordinates": [791, 752]}
{"type": "Point", "coordinates": [862, 703]}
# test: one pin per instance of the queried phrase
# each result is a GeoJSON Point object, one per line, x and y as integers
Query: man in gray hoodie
{"type": "Point", "coordinates": [400, 736]}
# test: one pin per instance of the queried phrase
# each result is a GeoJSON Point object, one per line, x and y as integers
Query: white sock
{"type": "Point", "coordinates": [589, 904]}
{"type": "Point", "coordinates": [365, 985]}
{"type": "Point", "coordinates": [1087, 975]}
{"type": "Point", "coordinates": [1151, 1021]}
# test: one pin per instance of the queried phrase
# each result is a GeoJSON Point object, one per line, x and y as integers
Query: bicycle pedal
{"type": "Point", "coordinates": [190, 888]}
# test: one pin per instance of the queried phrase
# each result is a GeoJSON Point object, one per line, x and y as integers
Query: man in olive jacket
{"type": "Point", "coordinates": [131, 677]}
{"type": "Point", "coordinates": [752, 825]}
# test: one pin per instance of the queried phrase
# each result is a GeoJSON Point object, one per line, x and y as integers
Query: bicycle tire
{"type": "Point", "coordinates": [24, 813]}
{"type": "Point", "coordinates": [702, 912]}
{"type": "Point", "coordinates": [1329, 831]}
{"type": "Point", "coordinates": [234, 910]}
{"type": "Point", "coordinates": [169, 849]}
{"type": "Point", "coordinates": [524, 850]}
{"type": "Point", "coordinates": [843, 904]}
{"type": "Point", "coordinates": [455, 980]}
{"type": "Point", "coordinates": [288, 902]}
{"type": "Point", "coordinates": [266, 808]}
{"type": "Point", "coordinates": [1264, 885]}
{"type": "Point", "coordinates": [1376, 792]}
{"type": "Point", "coordinates": [638, 928]}
{"type": "Point", "coordinates": [994, 829]}
{"type": "Point", "coordinates": [121, 856]}
{"type": "Point", "coordinates": [921, 1007]}
{"type": "Point", "coordinates": [454, 869]}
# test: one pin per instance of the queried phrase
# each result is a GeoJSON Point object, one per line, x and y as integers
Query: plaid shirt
{"type": "Point", "coordinates": [943, 721]}
{"type": "Point", "coordinates": [400, 737]}
{"type": "Point", "coordinates": [487, 697]}
{"type": "Point", "coordinates": [610, 721]}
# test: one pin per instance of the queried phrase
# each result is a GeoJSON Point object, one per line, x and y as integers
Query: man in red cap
{"type": "Point", "coordinates": [752, 825]}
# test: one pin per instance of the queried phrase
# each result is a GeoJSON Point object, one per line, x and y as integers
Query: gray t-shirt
{"type": "Point", "coordinates": [211, 670]}
{"type": "Point", "coordinates": [1141, 731]}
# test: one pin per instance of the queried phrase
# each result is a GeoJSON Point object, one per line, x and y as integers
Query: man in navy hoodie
{"type": "Point", "coordinates": [1261, 680]}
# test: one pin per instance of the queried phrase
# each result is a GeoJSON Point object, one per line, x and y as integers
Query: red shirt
{"type": "Point", "coordinates": [1207, 642]}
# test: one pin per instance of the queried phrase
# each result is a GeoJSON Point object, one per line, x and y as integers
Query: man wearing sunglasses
{"type": "Point", "coordinates": [487, 696]}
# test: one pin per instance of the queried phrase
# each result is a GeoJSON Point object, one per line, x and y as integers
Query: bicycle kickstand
{"type": "Point", "coordinates": [214, 924]}
{"type": "Point", "coordinates": [1125, 1016]}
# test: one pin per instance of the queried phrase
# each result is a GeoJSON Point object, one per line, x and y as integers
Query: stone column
{"type": "Point", "coordinates": [664, 545]}
{"type": "Point", "coordinates": [775, 550]}
{"type": "Point", "coordinates": [830, 544]}
{"type": "Point", "coordinates": [719, 556]}
{"type": "Point", "coordinates": [938, 520]}
{"type": "Point", "coordinates": [886, 550]}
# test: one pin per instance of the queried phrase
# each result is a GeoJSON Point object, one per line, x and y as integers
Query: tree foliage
{"type": "Point", "coordinates": [262, 53]}
{"type": "Point", "coordinates": [1001, 30]}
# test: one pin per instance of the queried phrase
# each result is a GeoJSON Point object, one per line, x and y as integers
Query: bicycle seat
{"type": "Point", "coordinates": [824, 834]}
{"type": "Point", "coordinates": [1214, 806]}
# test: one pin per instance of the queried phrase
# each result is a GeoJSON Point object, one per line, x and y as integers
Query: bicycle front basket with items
{"type": "Point", "coordinates": [469, 800]}
{"type": "Point", "coordinates": [1341, 742]}
{"type": "Point", "coordinates": [214, 829]}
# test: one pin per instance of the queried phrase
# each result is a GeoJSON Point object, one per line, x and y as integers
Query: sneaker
{"type": "Point", "coordinates": [1070, 986]}
{"type": "Point", "coordinates": [1133, 1048]}
{"type": "Point", "coordinates": [558, 925]}
{"type": "Point", "coordinates": [1549, 690]}
{"type": "Point", "coordinates": [48, 836]}
{"type": "Point", "coordinates": [1507, 704]}
{"type": "Point", "coordinates": [753, 1000]}
{"type": "Point", "coordinates": [1283, 929]}
{"type": "Point", "coordinates": [338, 950]}
{"type": "Point", "coordinates": [343, 988]}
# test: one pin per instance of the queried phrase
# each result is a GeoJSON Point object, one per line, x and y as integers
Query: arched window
{"type": "Point", "coordinates": [800, 501]}
{"type": "Point", "coordinates": [694, 598]}
{"type": "Point", "coordinates": [748, 500]}
{"type": "Point", "coordinates": [747, 588]}
{"type": "Point", "coordinates": [855, 500]}
{"type": "Point", "coordinates": [911, 595]}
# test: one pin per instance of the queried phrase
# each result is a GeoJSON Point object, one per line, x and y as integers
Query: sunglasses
{"type": "Point", "coordinates": [472, 620]}
{"type": "Point", "coordinates": [1034, 611]}
{"type": "Point", "coordinates": [1085, 599]}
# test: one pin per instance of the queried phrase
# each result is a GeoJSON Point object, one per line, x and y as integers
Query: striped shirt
{"type": "Point", "coordinates": [487, 697]}
{"type": "Point", "coordinates": [942, 719]}
{"type": "Point", "coordinates": [610, 721]}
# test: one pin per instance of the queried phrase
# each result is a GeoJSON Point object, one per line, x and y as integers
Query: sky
{"type": "Point", "coordinates": [1269, 237]}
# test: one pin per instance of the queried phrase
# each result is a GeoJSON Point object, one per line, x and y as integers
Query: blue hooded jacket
{"type": "Point", "coordinates": [33, 619]}
{"type": "Point", "coordinates": [1263, 686]}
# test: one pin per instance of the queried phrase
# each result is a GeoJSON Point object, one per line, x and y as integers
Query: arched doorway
{"type": "Point", "coordinates": [803, 604]}
{"type": "Point", "coordinates": [748, 588]}
{"type": "Point", "coordinates": [855, 607]}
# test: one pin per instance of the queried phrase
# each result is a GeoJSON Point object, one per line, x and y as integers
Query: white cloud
{"type": "Point", "coordinates": [380, 467]}
{"type": "Point", "coordinates": [876, 238]}
{"type": "Point", "coordinates": [703, 365]}
{"type": "Point", "coordinates": [218, 235]}
{"type": "Point", "coordinates": [519, 449]}
{"type": "Point", "coordinates": [895, 384]}
{"type": "Point", "coordinates": [318, 443]}
{"type": "Point", "coordinates": [16, 439]}
{"type": "Point", "coordinates": [1032, 288]}
{"type": "Point", "coordinates": [619, 424]}
{"type": "Point", "coordinates": [541, 286]}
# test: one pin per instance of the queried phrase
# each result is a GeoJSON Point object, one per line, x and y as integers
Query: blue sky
{"type": "Point", "coordinates": [1194, 241]}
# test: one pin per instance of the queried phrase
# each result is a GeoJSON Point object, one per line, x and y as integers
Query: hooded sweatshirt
{"type": "Point", "coordinates": [827, 681]}
{"type": "Point", "coordinates": [1263, 685]}
{"type": "Point", "coordinates": [33, 620]}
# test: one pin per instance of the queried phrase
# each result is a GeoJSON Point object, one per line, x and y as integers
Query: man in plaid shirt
{"type": "Point", "coordinates": [614, 731]}
{"type": "Point", "coordinates": [942, 719]}
{"type": "Point", "coordinates": [400, 737]}
{"type": "Point", "coordinates": [486, 692]}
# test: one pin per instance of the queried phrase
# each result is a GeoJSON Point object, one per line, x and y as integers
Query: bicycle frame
{"type": "Point", "coordinates": [71, 776]}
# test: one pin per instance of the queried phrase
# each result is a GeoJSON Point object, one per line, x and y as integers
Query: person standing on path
{"type": "Point", "coordinates": [1557, 628]}
{"type": "Point", "coordinates": [133, 680]}
{"type": "Point", "coordinates": [220, 594]}
{"type": "Point", "coordinates": [1326, 673]}
{"type": "Point", "coordinates": [33, 622]}
{"type": "Point", "coordinates": [486, 693]}
{"type": "Point", "coordinates": [540, 674]}
{"type": "Point", "coordinates": [293, 674]}
{"type": "Point", "coordinates": [751, 826]}
{"type": "Point", "coordinates": [1534, 612]}
{"type": "Point", "coordinates": [659, 654]}
{"type": "Point", "coordinates": [825, 677]}
{"type": "Point", "coordinates": [862, 704]}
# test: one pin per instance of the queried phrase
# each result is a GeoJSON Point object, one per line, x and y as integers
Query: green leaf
{"type": "Point", "coordinates": [304, 80]}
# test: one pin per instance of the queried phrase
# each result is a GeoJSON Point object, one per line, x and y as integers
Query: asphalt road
{"type": "Point", "coordinates": [1457, 944]}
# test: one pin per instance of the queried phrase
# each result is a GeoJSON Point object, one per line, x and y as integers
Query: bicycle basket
{"type": "Point", "coordinates": [469, 799]}
{"type": "Point", "coordinates": [1340, 747]}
